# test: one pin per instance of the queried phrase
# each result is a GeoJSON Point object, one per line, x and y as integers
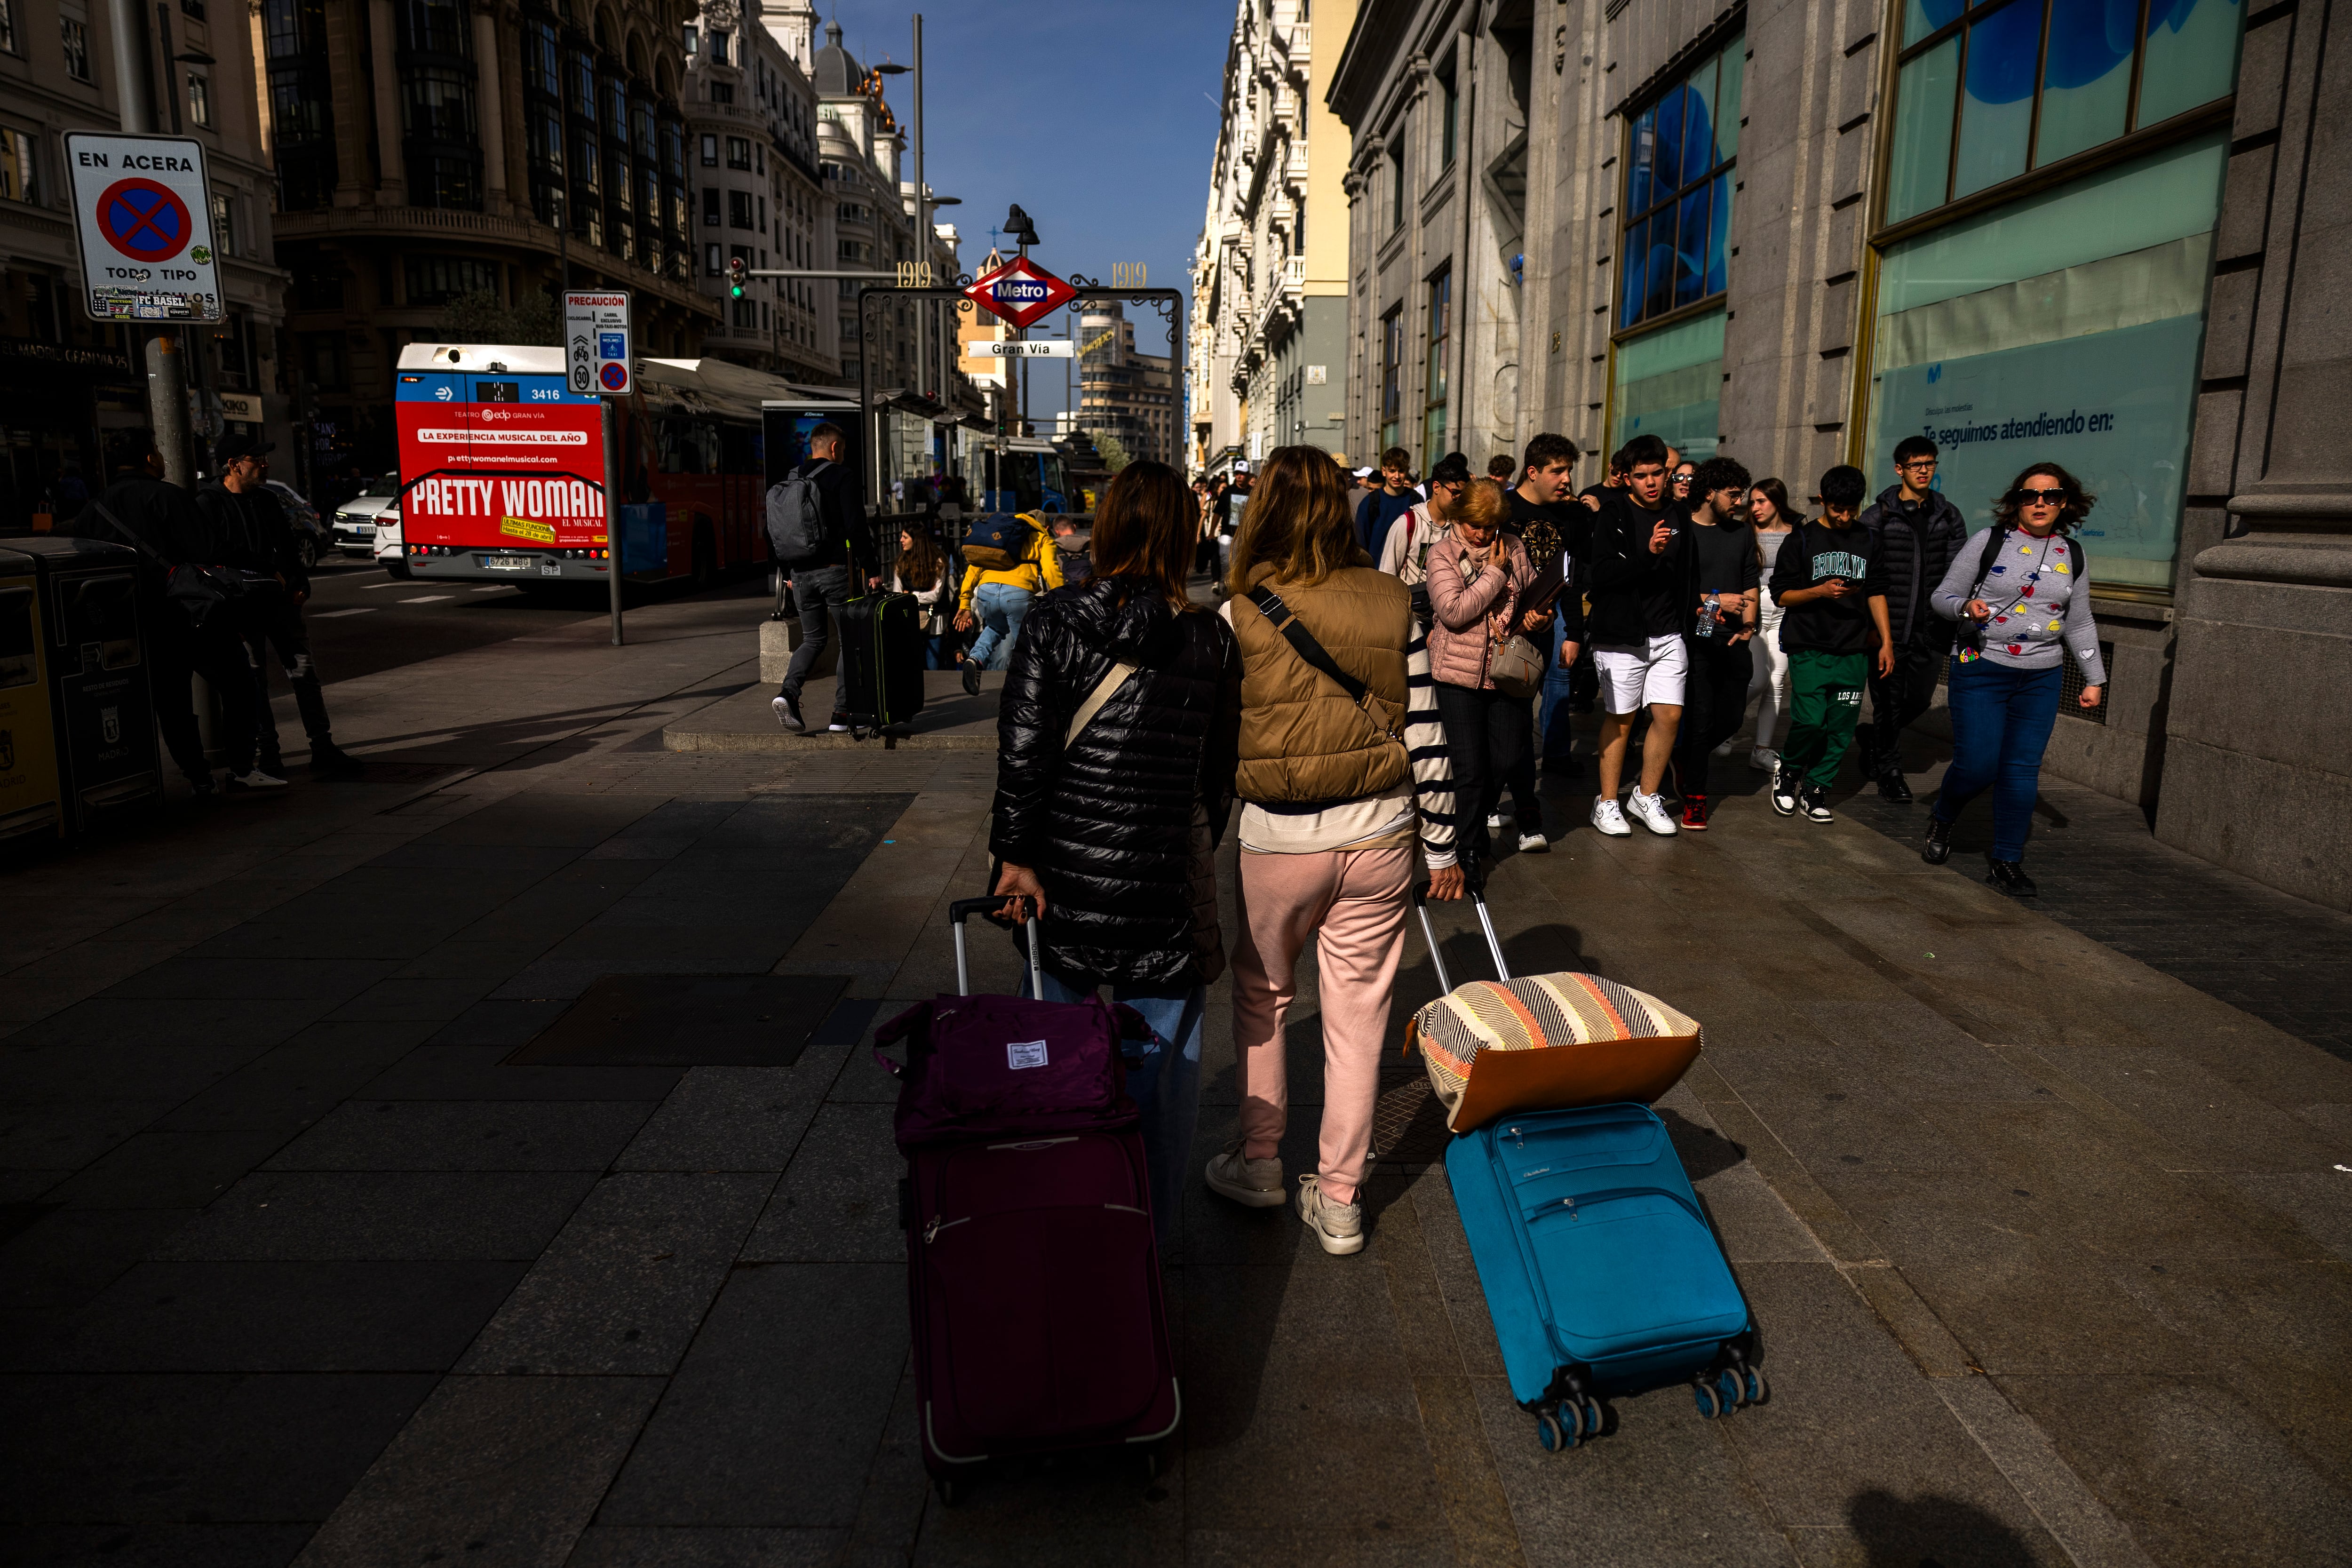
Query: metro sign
{"type": "Point", "coordinates": [1020, 291]}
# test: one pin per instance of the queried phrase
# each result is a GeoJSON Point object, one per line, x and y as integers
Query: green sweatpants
{"type": "Point", "coordinates": [1824, 700]}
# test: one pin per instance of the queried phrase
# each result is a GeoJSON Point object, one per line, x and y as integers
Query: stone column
{"type": "Point", "coordinates": [391, 188]}
{"type": "Point", "coordinates": [2258, 740]}
{"type": "Point", "coordinates": [490, 115]}
{"type": "Point", "coordinates": [345, 74]}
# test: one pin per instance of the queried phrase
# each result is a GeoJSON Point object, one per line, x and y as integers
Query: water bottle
{"type": "Point", "coordinates": [1711, 614]}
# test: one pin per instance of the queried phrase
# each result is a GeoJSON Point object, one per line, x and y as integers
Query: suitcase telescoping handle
{"type": "Point", "coordinates": [960, 909]}
{"type": "Point", "coordinates": [1476, 887]}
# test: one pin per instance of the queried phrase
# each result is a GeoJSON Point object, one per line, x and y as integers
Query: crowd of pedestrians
{"type": "Point", "coordinates": [222, 584]}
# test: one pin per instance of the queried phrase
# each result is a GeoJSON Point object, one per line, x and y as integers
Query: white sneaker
{"type": "Point", "coordinates": [1339, 1226]}
{"type": "Point", "coordinates": [838, 727]}
{"type": "Point", "coordinates": [1650, 811]}
{"type": "Point", "coordinates": [1256, 1183]}
{"type": "Point", "coordinates": [1533, 844]}
{"type": "Point", "coordinates": [1763, 759]}
{"type": "Point", "coordinates": [1609, 819]}
{"type": "Point", "coordinates": [788, 714]}
{"type": "Point", "coordinates": [1494, 822]}
{"type": "Point", "coordinates": [255, 780]}
{"type": "Point", "coordinates": [1725, 749]}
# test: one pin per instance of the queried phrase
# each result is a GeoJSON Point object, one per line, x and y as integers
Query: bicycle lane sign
{"type": "Point", "coordinates": [142, 216]}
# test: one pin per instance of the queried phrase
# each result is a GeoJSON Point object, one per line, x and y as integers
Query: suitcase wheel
{"type": "Point", "coordinates": [1552, 1435]}
{"type": "Point", "coordinates": [1758, 1391]}
{"type": "Point", "coordinates": [1710, 1404]}
{"type": "Point", "coordinates": [1593, 1415]}
{"type": "Point", "coordinates": [1733, 1385]}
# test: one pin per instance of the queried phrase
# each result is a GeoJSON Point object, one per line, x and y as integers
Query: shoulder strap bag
{"type": "Point", "coordinates": [1302, 643]}
{"type": "Point", "coordinates": [194, 588]}
{"type": "Point", "coordinates": [1105, 689]}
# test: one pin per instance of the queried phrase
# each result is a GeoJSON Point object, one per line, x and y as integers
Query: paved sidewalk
{"type": "Point", "coordinates": [380, 1195]}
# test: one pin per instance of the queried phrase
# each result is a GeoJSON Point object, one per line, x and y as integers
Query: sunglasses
{"type": "Point", "coordinates": [2040, 497]}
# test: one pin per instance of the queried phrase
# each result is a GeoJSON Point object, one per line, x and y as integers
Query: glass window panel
{"type": "Point", "coordinates": [2087, 82]}
{"type": "Point", "coordinates": [1727, 100]}
{"type": "Point", "coordinates": [1659, 296]}
{"type": "Point", "coordinates": [2192, 55]}
{"type": "Point", "coordinates": [1699, 125]}
{"type": "Point", "coordinates": [1669, 383]}
{"type": "Point", "coordinates": [1718, 231]}
{"type": "Point", "coordinates": [1997, 116]}
{"type": "Point", "coordinates": [1921, 17]}
{"type": "Point", "coordinates": [1922, 164]}
{"type": "Point", "coordinates": [1690, 246]}
{"type": "Point", "coordinates": [1641, 182]}
{"type": "Point", "coordinates": [1634, 268]}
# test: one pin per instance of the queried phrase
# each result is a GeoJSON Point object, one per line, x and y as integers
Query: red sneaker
{"type": "Point", "coordinates": [1695, 813]}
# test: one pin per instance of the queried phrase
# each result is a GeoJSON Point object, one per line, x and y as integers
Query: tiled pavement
{"type": "Point", "coordinates": [315, 1261]}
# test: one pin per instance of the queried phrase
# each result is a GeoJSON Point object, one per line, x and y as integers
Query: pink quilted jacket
{"type": "Point", "coordinates": [1464, 592]}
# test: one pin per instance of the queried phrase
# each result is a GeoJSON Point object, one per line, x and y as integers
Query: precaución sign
{"type": "Point", "coordinates": [142, 216]}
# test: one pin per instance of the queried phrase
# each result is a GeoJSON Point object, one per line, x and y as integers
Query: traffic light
{"type": "Point", "coordinates": [735, 278]}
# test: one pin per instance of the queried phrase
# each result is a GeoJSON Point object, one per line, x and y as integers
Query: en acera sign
{"type": "Point", "coordinates": [143, 216]}
{"type": "Point", "coordinates": [596, 340]}
{"type": "Point", "coordinates": [1020, 291]}
{"type": "Point", "coordinates": [500, 460]}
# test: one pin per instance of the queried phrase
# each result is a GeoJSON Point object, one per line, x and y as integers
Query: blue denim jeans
{"type": "Point", "coordinates": [2001, 720]}
{"type": "Point", "coordinates": [1165, 1085]}
{"type": "Point", "coordinates": [1000, 608]}
{"type": "Point", "coordinates": [1558, 739]}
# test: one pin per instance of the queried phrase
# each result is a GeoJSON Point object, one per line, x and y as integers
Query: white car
{"type": "Point", "coordinates": [309, 537]}
{"type": "Point", "coordinates": [359, 521]}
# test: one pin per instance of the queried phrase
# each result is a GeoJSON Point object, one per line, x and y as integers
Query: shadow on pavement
{"type": "Point", "coordinates": [1932, 1532]}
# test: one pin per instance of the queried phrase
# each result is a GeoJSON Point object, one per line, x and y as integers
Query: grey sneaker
{"type": "Point", "coordinates": [1257, 1183]}
{"type": "Point", "coordinates": [1339, 1226]}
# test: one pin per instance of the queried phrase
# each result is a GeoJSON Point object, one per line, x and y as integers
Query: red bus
{"type": "Point", "coordinates": [503, 467]}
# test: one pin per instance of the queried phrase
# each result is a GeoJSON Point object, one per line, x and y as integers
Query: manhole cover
{"type": "Point", "coordinates": [687, 1020]}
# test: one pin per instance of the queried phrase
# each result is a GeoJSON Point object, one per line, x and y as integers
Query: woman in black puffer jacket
{"type": "Point", "coordinates": [1115, 772]}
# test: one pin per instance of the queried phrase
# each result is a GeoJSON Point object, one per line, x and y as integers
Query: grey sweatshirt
{"type": "Point", "coordinates": [2039, 598]}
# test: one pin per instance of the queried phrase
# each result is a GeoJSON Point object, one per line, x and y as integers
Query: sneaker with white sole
{"type": "Point", "coordinates": [838, 727]}
{"type": "Point", "coordinates": [788, 714]}
{"type": "Point", "coordinates": [1650, 811]}
{"type": "Point", "coordinates": [1609, 819]}
{"type": "Point", "coordinates": [1339, 1226]}
{"type": "Point", "coordinates": [1764, 759]}
{"type": "Point", "coordinates": [1533, 844]}
{"type": "Point", "coordinates": [1256, 1183]}
{"type": "Point", "coordinates": [1784, 790]}
{"type": "Point", "coordinates": [1816, 804]}
{"type": "Point", "coordinates": [249, 782]}
{"type": "Point", "coordinates": [1494, 822]}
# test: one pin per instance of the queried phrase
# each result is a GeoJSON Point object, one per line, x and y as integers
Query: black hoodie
{"type": "Point", "coordinates": [1637, 595]}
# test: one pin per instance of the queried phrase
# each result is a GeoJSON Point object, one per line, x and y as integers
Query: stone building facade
{"type": "Point", "coordinates": [752, 126]}
{"type": "Point", "coordinates": [1795, 233]}
{"type": "Point", "coordinates": [73, 392]}
{"type": "Point", "coordinates": [1128, 396]}
{"type": "Point", "coordinates": [1269, 271]}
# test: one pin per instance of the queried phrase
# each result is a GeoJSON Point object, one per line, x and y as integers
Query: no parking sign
{"type": "Point", "coordinates": [142, 214]}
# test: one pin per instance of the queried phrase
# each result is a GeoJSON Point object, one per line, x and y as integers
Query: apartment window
{"type": "Point", "coordinates": [739, 152]}
{"type": "Point", "coordinates": [200, 98]}
{"type": "Point", "coordinates": [1391, 374]}
{"type": "Point", "coordinates": [718, 47]}
{"type": "Point", "coordinates": [8, 26]}
{"type": "Point", "coordinates": [1396, 190]}
{"type": "Point", "coordinates": [1677, 198]}
{"type": "Point", "coordinates": [224, 223]}
{"type": "Point", "coordinates": [1440, 327]}
{"type": "Point", "coordinates": [713, 263]}
{"type": "Point", "coordinates": [1984, 93]}
{"type": "Point", "coordinates": [437, 280]}
{"type": "Point", "coordinates": [1449, 118]}
{"type": "Point", "coordinates": [711, 206]}
{"type": "Point", "coordinates": [739, 210]}
{"type": "Point", "coordinates": [693, 38]}
{"type": "Point", "coordinates": [322, 360]}
{"type": "Point", "coordinates": [19, 179]}
{"type": "Point", "coordinates": [302, 103]}
{"type": "Point", "coordinates": [720, 92]}
{"type": "Point", "coordinates": [710, 152]}
{"type": "Point", "coordinates": [74, 35]}
{"type": "Point", "coordinates": [541, 68]}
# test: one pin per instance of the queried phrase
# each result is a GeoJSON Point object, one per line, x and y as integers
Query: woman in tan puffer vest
{"type": "Point", "coordinates": [1338, 785]}
{"type": "Point", "coordinates": [1477, 576]}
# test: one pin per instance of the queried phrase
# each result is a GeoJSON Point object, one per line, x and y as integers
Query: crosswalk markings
{"type": "Point", "coordinates": [372, 587]}
{"type": "Point", "coordinates": [495, 588]}
{"type": "Point", "coordinates": [331, 615]}
{"type": "Point", "coordinates": [427, 599]}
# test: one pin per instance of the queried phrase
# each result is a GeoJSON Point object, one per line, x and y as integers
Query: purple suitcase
{"type": "Point", "coordinates": [1034, 1282]}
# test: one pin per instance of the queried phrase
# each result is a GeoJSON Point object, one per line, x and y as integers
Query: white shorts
{"type": "Point", "coordinates": [1632, 677]}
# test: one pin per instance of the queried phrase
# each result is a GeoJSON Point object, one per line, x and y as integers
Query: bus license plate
{"type": "Point", "coordinates": [550, 569]}
{"type": "Point", "coordinates": [507, 563]}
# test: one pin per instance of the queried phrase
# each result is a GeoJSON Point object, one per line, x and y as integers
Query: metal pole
{"type": "Point", "coordinates": [167, 407]}
{"type": "Point", "coordinates": [922, 223]}
{"type": "Point", "coordinates": [134, 74]}
{"type": "Point", "coordinates": [167, 380]}
{"type": "Point", "coordinates": [613, 514]}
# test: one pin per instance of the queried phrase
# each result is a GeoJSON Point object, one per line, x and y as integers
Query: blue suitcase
{"type": "Point", "coordinates": [1600, 1270]}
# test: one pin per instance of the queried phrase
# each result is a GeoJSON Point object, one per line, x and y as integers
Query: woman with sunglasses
{"type": "Point", "coordinates": [2023, 597]}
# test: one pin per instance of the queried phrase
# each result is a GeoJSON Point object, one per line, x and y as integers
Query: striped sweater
{"type": "Point", "coordinates": [1391, 816]}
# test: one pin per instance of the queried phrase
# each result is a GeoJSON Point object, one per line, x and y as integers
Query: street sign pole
{"type": "Point", "coordinates": [613, 514]}
{"type": "Point", "coordinates": [597, 360]}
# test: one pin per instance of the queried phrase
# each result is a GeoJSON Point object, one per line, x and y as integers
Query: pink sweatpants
{"type": "Point", "coordinates": [1353, 902]}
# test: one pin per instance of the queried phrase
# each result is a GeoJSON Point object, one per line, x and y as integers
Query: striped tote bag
{"type": "Point", "coordinates": [1548, 1042]}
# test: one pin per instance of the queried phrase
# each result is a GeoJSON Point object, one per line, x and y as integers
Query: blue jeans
{"type": "Point", "coordinates": [1000, 607]}
{"type": "Point", "coordinates": [938, 653]}
{"type": "Point", "coordinates": [1165, 1085]}
{"type": "Point", "coordinates": [1558, 739]}
{"type": "Point", "coordinates": [2001, 720]}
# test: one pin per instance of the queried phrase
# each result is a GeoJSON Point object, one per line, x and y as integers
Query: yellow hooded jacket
{"type": "Point", "coordinates": [1040, 568]}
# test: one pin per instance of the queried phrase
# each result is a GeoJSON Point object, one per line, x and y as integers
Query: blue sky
{"type": "Point", "coordinates": [1100, 119]}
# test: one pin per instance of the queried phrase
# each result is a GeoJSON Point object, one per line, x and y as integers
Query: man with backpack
{"type": "Point", "coordinates": [815, 520]}
{"type": "Point", "coordinates": [1918, 531]}
{"type": "Point", "coordinates": [1008, 561]}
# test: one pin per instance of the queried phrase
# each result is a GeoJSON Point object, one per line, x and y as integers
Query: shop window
{"type": "Point", "coordinates": [1669, 382]}
{"type": "Point", "coordinates": [1391, 374]}
{"type": "Point", "coordinates": [19, 176]}
{"type": "Point", "coordinates": [1440, 331]}
{"type": "Point", "coordinates": [1677, 201]}
{"type": "Point", "coordinates": [2062, 327]}
{"type": "Point", "coordinates": [437, 280]}
{"type": "Point", "coordinates": [1985, 93]}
